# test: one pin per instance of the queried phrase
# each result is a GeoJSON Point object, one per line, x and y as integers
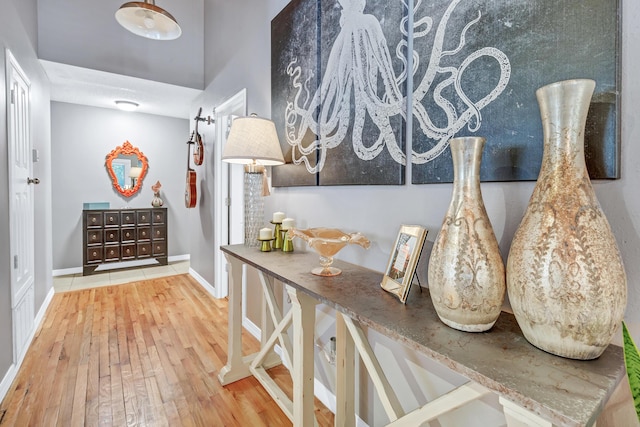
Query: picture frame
{"type": "Point", "coordinates": [403, 260]}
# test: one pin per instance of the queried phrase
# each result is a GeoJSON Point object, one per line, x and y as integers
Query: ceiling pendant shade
{"type": "Point", "coordinates": [148, 20]}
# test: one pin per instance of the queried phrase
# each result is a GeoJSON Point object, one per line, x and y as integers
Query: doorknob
{"type": "Point", "coordinates": [33, 181]}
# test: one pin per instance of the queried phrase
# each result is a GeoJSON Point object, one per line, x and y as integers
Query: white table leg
{"type": "Point", "coordinates": [304, 319]}
{"type": "Point", "coordinates": [345, 376]}
{"type": "Point", "coordinates": [518, 416]}
{"type": "Point", "coordinates": [236, 367]}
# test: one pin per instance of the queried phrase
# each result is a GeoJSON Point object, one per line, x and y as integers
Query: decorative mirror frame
{"type": "Point", "coordinates": [126, 149]}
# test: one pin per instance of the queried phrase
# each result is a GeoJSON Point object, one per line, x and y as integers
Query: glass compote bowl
{"type": "Point", "coordinates": [327, 242]}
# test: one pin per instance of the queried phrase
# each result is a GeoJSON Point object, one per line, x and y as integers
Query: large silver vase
{"type": "Point", "coordinates": [466, 272]}
{"type": "Point", "coordinates": [565, 279]}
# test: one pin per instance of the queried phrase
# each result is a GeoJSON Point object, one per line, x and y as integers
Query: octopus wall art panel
{"type": "Point", "coordinates": [342, 80]}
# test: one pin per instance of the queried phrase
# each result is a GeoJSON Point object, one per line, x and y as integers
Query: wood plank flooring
{"type": "Point", "coordinates": [141, 354]}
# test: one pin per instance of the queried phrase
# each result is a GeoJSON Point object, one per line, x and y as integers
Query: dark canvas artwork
{"type": "Point", "coordinates": [339, 92]}
{"type": "Point", "coordinates": [542, 42]}
{"type": "Point", "coordinates": [342, 79]}
{"type": "Point", "coordinates": [294, 43]}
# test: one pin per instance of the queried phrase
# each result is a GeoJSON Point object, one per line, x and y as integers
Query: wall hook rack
{"type": "Point", "coordinates": [207, 119]}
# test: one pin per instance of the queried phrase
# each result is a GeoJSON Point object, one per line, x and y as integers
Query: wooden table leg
{"type": "Point", "coordinates": [518, 416]}
{"type": "Point", "coordinates": [345, 376]}
{"type": "Point", "coordinates": [236, 367]}
{"type": "Point", "coordinates": [304, 319]}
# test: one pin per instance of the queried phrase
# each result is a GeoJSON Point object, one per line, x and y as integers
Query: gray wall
{"type": "Point", "coordinates": [379, 211]}
{"type": "Point", "coordinates": [91, 38]}
{"type": "Point", "coordinates": [17, 33]}
{"type": "Point", "coordinates": [229, 67]}
{"type": "Point", "coordinates": [81, 138]}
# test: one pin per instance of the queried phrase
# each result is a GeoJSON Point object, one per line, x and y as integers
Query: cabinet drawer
{"type": "Point", "coordinates": [95, 219]}
{"type": "Point", "coordinates": [94, 237]}
{"type": "Point", "coordinates": [128, 218]}
{"type": "Point", "coordinates": [128, 234]}
{"type": "Point", "coordinates": [159, 248]}
{"type": "Point", "coordinates": [157, 216]}
{"type": "Point", "coordinates": [94, 255]}
{"type": "Point", "coordinates": [111, 219]}
{"type": "Point", "coordinates": [112, 235]}
{"type": "Point", "coordinates": [159, 232]}
{"type": "Point", "coordinates": [144, 233]}
{"type": "Point", "coordinates": [128, 251]}
{"type": "Point", "coordinates": [111, 253]}
{"type": "Point", "coordinates": [143, 217]}
{"type": "Point", "coordinates": [144, 250]}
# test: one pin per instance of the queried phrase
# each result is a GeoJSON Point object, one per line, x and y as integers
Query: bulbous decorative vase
{"type": "Point", "coordinates": [565, 278]}
{"type": "Point", "coordinates": [466, 272]}
{"type": "Point", "coordinates": [156, 202]}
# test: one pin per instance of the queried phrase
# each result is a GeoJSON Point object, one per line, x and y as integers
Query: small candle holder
{"type": "Point", "coordinates": [278, 235]}
{"type": "Point", "coordinates": [287, 243]}
{"type": "Point", "coordinates": [265, 245]}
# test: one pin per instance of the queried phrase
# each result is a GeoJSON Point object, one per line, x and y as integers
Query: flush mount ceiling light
{"type": "Point", "coordinates": [126, 105]}
{"type": "Point", "coordinates": [148, 20]}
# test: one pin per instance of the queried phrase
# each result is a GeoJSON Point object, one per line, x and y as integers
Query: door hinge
{"type": "Point", "coordinates": [13, 96]}
{"type": "Point", "coordinates": [15, 261]}
{"type": "Point", "coordinates": [227, 201]}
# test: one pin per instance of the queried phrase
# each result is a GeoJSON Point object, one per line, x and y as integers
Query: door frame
{"type": "Point", "coordinates": [229, 191]}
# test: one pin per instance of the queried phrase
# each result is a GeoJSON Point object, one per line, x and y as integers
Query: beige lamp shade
{"type": "Point", "coordinates": [135, 171]}
{"type": "Point", "coordinates": [253, 140]}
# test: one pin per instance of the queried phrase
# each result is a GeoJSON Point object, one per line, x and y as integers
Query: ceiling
{"type": "Point", "coordinates": [77, 85]}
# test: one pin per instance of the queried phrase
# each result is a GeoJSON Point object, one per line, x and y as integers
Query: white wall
{"type": "Point", "coordinates": [81, 138]}
{"type": "Point", "coordinates": [379, 211]}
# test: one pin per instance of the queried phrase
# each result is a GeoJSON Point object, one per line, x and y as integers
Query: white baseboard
{"type": "Point", "coordinates": [211, 290]}
{"type": "Point", "coordinates": [252, 328]}
{"type": "Point", "coordinates": [126, 264]}
{"type": "Point", "coordinates": [13, 369]}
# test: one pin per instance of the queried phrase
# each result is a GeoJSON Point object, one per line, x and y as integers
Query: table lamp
{"type": "Point", "coordinates": [253, 141]}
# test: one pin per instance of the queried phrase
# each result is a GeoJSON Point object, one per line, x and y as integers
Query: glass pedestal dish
{"type": "Point", "coordinates": [327, 242]}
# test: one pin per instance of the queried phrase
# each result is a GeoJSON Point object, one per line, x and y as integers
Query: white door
{"type": "Point", "coordinates": [21, 206]}
{"type": "Point", "coordinates": [229, 199]}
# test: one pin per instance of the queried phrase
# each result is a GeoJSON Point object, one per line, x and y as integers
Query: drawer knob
{"type": "Point", "coordinates": [95, 253]}
{"type": "Point", "coordinates": [93, 220]}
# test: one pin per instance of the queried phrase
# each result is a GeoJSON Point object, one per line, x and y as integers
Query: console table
{"type": "Point", "coordinates": [535, 388]}
{"type": "Point", "coordinates": [117, 235]}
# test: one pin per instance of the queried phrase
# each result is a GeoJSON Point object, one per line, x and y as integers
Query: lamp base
{"type": "Point", "coordinates": [253, 208]}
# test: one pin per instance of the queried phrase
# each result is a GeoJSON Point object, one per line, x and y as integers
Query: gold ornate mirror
{"type": "Point", "coordinates": [127, 167]}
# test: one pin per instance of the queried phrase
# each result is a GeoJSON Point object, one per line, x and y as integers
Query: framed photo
{"type": "Point", "coordinates": [398, 275]}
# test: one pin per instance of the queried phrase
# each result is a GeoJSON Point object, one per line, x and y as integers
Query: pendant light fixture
{"type": "Point", "coordinates": [148, 20]}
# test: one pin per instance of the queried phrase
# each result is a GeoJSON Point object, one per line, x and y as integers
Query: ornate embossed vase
{"type": "Point", "coordinates": [466, 272]}
{"type": "Point", "coordinates": [566, 282]}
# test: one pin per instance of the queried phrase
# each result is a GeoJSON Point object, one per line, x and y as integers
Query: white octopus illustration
{"type": "Point", "coordinates": [360, 64]}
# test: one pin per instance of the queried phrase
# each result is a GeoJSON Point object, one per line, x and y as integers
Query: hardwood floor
{"type": "Point", "coordinates": [139, 354]}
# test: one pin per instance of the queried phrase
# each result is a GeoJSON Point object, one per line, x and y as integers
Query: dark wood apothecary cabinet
{"type": "Point", "coordinates": [118, 235]}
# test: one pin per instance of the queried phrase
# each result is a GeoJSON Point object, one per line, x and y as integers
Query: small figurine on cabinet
{"type": "Point", "coordinates": [157, 201]}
